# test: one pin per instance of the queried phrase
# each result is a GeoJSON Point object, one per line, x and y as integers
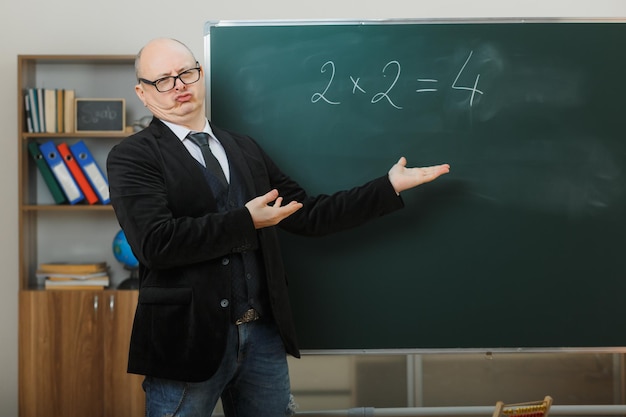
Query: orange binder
{"type": "Point", "coordinates": [77, 173]}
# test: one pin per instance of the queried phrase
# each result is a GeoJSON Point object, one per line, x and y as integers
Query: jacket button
{"type": "Point", "coordinates": [224, 303]}
{"type": "Point", "coordinates": [225, 261]}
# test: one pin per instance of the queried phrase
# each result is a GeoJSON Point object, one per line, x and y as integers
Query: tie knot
{"type": "Point", "coordinates": [199, 138]}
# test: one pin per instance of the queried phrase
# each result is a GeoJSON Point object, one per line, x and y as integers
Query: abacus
{"type": "Point", "coordinates": [529, 409]}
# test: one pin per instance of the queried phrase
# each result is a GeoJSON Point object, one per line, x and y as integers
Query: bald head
{"type": "Point", "coordinates": [156, 45]}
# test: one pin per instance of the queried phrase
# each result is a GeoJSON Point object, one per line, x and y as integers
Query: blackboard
{"type": "Point", "coordinates": [100, 115]}
{"type": "Point", "coordinates": [520, 246]}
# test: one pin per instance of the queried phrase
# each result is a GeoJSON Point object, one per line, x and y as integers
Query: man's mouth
{"type": "Point", "coordinates": [183, 97]}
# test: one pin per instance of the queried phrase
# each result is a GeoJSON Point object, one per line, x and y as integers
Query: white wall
{"type": "Point", "coordinates": [122, 27]}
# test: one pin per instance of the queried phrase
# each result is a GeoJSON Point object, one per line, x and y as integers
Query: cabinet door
{"type": "Point", "coordinates": [123, 395]}
{"type": "Point", "coordinates": [61, 371]}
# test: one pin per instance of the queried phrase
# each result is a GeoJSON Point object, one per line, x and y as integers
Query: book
{"type": "Point", "coordinates": [50, 110]}
{"type": "Point", "coordinates": [95, 282]}
{"type": "Point", "coordinates": [34, 109]}
{"type": "Point", "coordinates": [41, 115]}
{"type": "Point", "coordinates": [92, 171]}
{"type": "Point", "coordinates": [67, 275]}
{"type": "Point", "coordinates": [77, 173]}
{"type": "Point", "coordinates": [72, 268]}
{"type": "Point", "coordinates": [56, 276]}
{"type": "Point", "coordinates": [49, 286]}
{"type": "Point", "coordinates": [68, 111]}
{"type": "Point", "coordinates": [27, 114]}
{"type": "Point", "coordinates": [61, 172]}
{"type": "Point", "coordinates": [60, 110]}
{"type": "Point", "coordinates": [46, 173]}
{"type": "Point", "coordinates": [102, 281]}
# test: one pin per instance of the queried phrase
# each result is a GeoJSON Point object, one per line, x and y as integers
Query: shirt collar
{"type": "Point", "coordinates": [181, 132]}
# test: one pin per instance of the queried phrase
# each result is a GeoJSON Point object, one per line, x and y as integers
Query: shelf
{"type": "Point", "coordinates": [75, 135]}
{"type": "Point", "coordinates": [95, 291]}
{"type": "Point", "coordinates": [67, 207]}
{"type": "Point", "coordinates": [79, 59]}
{"type": "Point", "coordinates": [50, 231]}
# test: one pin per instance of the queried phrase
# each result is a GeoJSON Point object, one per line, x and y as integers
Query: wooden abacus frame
{"type": "Point", "coordinates": [528, 409]}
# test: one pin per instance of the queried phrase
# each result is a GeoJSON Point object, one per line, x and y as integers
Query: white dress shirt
{"type": "Point", "coordinates": [214, 144]}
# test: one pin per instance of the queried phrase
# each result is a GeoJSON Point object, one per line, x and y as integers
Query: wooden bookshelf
{"type": "Point", "coordinates": [74, 343]}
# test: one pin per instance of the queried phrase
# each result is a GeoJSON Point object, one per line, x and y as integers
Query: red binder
{"type": "Point", "coordinates": [77, 173]}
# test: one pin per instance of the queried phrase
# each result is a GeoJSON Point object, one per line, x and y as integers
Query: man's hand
{"type": "Point", "coordinates": [403, 178]}
{"type": "Point", "coordinates": [265, 215]}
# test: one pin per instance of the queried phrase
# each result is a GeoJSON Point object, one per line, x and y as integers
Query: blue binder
{"type": "Point", "coordinates": [61, 172]}
{"type": "Point", "coordinates": [92, 171]}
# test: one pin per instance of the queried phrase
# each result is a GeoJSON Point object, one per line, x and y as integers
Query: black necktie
{"type": "Point", "coordinates": [202, 140]}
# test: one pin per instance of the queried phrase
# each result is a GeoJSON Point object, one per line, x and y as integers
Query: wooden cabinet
{"type": "Point", "coordinates": [123, 395]}
{"type": "Point", "coordinates": [73, 344]}
{"type": "Point", "coordinates": [73, 354]}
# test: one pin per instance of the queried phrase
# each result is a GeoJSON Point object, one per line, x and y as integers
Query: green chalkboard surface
{"type": "Point", "coordinates": [522, 245]}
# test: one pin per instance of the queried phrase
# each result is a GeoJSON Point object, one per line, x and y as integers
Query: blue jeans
{"type": "Point", "coordinates": [252, 380]}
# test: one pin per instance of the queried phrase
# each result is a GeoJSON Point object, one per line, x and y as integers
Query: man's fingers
{"type": "Point", "coordinates": [270, 196]}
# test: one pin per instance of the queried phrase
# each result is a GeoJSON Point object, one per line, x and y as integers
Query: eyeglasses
{"type": "Point", "coordinates": [166, 84]}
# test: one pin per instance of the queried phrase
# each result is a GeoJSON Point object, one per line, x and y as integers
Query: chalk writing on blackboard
{"type": "Point", "coordinates": [317, 96]}
{"type": "Point", "coordinates": [379, 96]}
{"type": "Point", "coordinates": [394, 69]}
{"type": "Point", "coordinates": [100, 115]}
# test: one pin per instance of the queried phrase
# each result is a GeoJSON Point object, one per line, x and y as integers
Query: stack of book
{"type": "Point", "coordinates": [73, 276]}
{"type": "Point", "coordinates": [70, 172]}
{"type": "Point", "coordinates": [49, 110]}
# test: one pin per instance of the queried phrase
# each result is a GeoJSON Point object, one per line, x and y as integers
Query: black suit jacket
{"type": "Point", "coordinates": [168, 213]}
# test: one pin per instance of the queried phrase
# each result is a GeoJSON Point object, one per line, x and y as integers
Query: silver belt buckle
{"type": "Point", "coordinates": [248, 316]}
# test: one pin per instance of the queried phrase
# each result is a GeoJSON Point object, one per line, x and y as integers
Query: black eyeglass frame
{"type": "Point", "coordinates": [173, 77]}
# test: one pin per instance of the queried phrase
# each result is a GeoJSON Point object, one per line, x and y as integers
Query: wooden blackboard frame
{"type": "Point", "coordinates": [543, 328]}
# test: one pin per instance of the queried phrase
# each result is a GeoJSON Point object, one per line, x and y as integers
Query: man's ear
{"type": "Point", "coordinates": [140, 93]}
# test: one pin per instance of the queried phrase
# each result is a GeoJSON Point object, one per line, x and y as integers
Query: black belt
{"type": "Point", "coordinates": [248, 316]}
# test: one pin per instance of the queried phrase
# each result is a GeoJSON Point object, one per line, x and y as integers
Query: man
{"type": "Point", "coordinates": [213, 318]}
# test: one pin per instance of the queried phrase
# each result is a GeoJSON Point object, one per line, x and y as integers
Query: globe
{"type": "Point", "coordinates": [124, 255]}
